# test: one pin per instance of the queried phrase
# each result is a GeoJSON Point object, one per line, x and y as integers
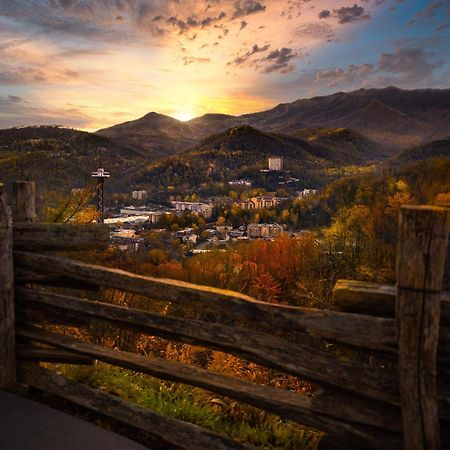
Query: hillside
{"type": "Point", "coordinates": [353, 147]}
{"type": "Point", "coordinates": [241, 152]}
{"type": "Point", "coordinates": [61, 158]}
{"type": "Point", "coordinates": [391, 117]}
{"type": "Point", "coordinates": [382, 191]}
{"type": "Point", "coordinates": [434, 149]}
{"type": "Point", "coordinates": [156, 134]}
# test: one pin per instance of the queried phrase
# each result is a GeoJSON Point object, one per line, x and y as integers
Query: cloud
{"type": "Point", "coordinates": [411, 63]}
{"type": "Point", "coordinates": [246, 7]}
{"type": "Point", "coordinates": [345, 14]}
{"type": "Point", "coordinates": [192, 59]}
{"type": "Point", "coordinates": [315, 30]}
{"type": "Point", "coordinates": [336, 76]}
{"type": "Point", "coordinates": [429, 10]}
{"type": "Point", "coordinates": [278, 61]}
{"type": "Point", "coordinates": [442, 27]}
{"type": "Point", "coordinates": [7, 100]}
{"type": "Point", "coordinates": [16, 111]}
{"type": "Point", "coordinates": [348, 14]}
{"type": "Point", "coordinates": [239, 60]}
{"type": "Point", "coordinates": [193, 22]}
{"type": "Point", "coordinates": [22, 75]}
{"type": "Point", "coordinates": [405, 66]}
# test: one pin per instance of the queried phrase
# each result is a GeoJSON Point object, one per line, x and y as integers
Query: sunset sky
{"type": "Point", "coordinates": [89, 64]}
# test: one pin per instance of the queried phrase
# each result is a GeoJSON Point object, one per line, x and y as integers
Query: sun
{"type": "Point", "coordinates": [184, 116]}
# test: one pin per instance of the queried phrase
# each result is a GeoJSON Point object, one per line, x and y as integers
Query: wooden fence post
{"type": "Point", "coordinates": [24, 193]}
{"type": "Point", "coordinates": [7, 322]}
{"type": "Point", "coordinates": [446, 286]}
{"type": "Point", "coordinates": [421, 252]}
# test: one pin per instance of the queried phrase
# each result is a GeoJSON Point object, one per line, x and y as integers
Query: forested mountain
{"type": "Point", "coordinates": [60, 158]}
{"type": "Point", "coordinates": [243, 151]}
{"type": "Point", "coordinates": [156, 134]}
{"type": "Point", "coordinates": [352, 146]}
{"type": "Point", "coordinates": [391, 117]}
{"type": "Point", "coordinates": [434, 149]}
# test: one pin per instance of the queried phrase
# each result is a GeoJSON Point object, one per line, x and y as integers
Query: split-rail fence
{"type": "Point", "coordinates": [401, 401]}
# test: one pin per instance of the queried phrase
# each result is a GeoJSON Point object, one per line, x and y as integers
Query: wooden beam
{"type": "Point", "coordinates": [298, 360]}
{"type": "Point", "coordinates": [360, 297]}
{"type": "Point", "coordinates": [326, 411]}
{"type": "Point", "coordinates": [363, 331]}
{"type": "Point", "coordinates": [374, 299]}
{"type": "Point", "coordinates": [421, 251]}
{"type": "Point", "coordinates": [59, 236]}
{"type": "Point", "coordinates": [24, 198]}
{"type": "Point", "coordinates": [173, 431]}
{"type": "Point", "coordinates": [50, 355]}
{"type": "Point", "coordinates": [7, 320]}
{"type": "Point", "coordinates": [22, 277]}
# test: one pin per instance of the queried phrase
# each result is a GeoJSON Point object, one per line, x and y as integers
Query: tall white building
{"type": "Point", "coordinates": [139, 195]}
{"type": "Point", "coordinates": [276, 163]}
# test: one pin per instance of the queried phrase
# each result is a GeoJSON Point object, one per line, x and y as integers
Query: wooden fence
{"type": "Point", "coordinates": [402, 401]}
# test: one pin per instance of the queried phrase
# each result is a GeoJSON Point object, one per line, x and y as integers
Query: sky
{"type": "Point", "coordinates": [90, 64]}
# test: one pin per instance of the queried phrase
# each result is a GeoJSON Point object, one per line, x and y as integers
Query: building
{"type": "Point", "coordinates": [235, 234]}
{"type": "Point", "coordinates": [139, 195]}
{"type": "Point", "coordinates": [131, 220]}
{"type": "Point", "coordinates": [259, 202]}
{"type": "Point", "coordinates": [246, 204]}
{"type": "Point", "coordinates": [241, 182]}
{"type": "Point", "coordinates": [127, 240]}
{"type": "Point", "coordinates": [306, 192]}
{"type": "Point", "coordinates": [276, 163]}
{"type": "Point", "coordinates": [201, 209]}
{"type": "Point", "coordinates": [264, 230]}
{"type": "Point", "coordinates": [152, 216]}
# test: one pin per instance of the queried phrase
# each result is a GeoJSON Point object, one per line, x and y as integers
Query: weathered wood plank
{"type": "Point", "coordinates": [317, 411]}
{"type": "Point", "coordinates": [7, 320]}
{"type": "Point", "coordinates": [361, 297]}
{"type": "Point", "coordinates": [421, 251]}
{"type": "Point", "coordinates": [298, 360]}
{"type": "Point", "coordinates": [50, 355]}
{"type": "Point", "coordinates": [364, 331]}
{"type": "Point", "coordinates": [59, 236]}
{"type": "Point", "coordinates": [49, 279]}
{"type": "Point", "coordinates": [374, 299]}
{"type": "Point", "coordinates": [173, 431]}
{"type": "Point", "coordinates": [39, 312]}
{"type": "Point", "coordinates": [24, 198]}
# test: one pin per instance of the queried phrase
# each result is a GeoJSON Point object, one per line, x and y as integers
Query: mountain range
{"type": "Point", "coordinates": [317, 137]}
{"type": "Point", "coordinates": [391, 117]}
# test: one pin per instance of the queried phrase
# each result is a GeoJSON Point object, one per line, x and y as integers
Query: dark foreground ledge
{"type": "Point", "coordinates": [27, 425]}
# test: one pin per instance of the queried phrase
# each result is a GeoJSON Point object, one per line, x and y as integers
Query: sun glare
{"type": "Point", "coordinates": [184, 116]}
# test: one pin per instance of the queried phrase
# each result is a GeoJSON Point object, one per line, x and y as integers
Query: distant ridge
{"type": "Point", "coordinates": [434, 149]}
{"type": "Point", "coordinates": [390, 116]}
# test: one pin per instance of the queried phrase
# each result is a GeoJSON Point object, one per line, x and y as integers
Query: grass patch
{"type": "Point", "coordinates": [237, 421]}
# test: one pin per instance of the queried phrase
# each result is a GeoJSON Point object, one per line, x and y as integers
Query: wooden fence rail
{"type": "Point", "coordinates": [374, 299]}
{"type": "Point", "coordinates": [400, 398]}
